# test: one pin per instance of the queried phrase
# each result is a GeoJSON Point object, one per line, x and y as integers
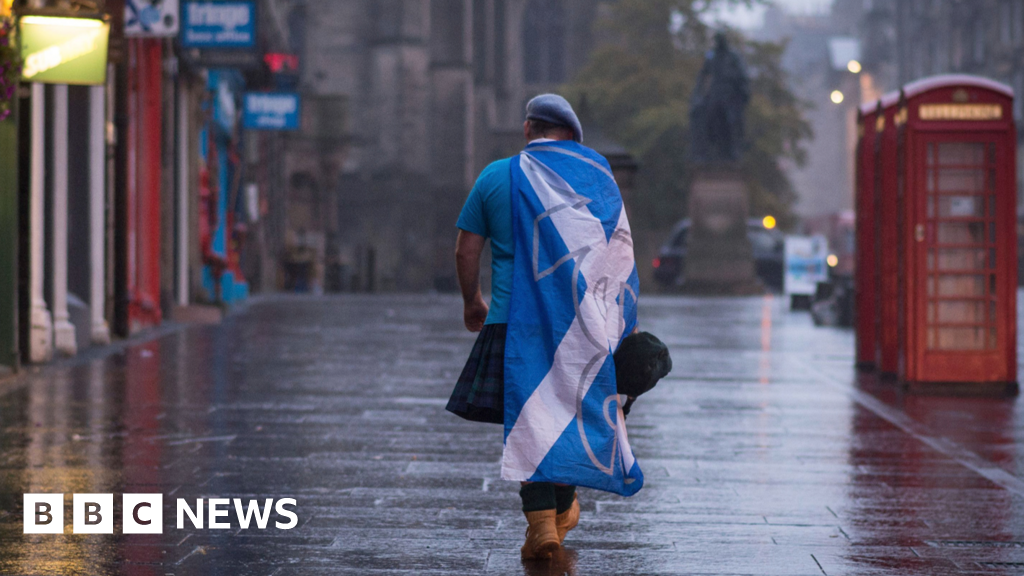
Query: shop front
{"type": "Point", "coordinates": [9, 357]}
{"type": "Point", "coordinates": [62, 178]}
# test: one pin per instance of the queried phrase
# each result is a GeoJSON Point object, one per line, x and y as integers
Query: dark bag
{"type": "Point", "coordinates": [640, 362]}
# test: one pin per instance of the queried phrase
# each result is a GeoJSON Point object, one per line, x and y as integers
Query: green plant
{"type": "Point", "coordinates": [10, 65]}
{"type": "Point", "coordinates": [638, 84]}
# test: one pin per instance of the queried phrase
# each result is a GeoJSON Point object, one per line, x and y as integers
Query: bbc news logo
{"type": "Point", "coordinates": [144, 513]}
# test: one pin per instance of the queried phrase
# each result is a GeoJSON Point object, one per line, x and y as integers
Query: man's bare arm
{"type": "Point", "coordinates": [468, 248]}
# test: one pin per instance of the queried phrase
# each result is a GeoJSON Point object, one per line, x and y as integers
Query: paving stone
{"type": "Point", "coordinates": [759, 456]}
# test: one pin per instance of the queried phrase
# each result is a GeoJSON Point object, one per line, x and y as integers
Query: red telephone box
{"type": "Point", "coordinates": [864, 289]}
{"type": "Point", "coordinates": [958, 248]}
{"type": "Point", "coordinates": [885, 212]}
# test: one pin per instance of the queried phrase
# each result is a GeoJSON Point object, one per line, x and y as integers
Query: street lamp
{"type": "Point", "coordinates": [854, 67]}
{"type": "Point", "coordinates": [837, 97]}
{"type": "Point", "coordinates": [769, 222]}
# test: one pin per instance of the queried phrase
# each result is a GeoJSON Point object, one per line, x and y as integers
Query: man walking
{"type": "Point", "coordinates": [563, 295]}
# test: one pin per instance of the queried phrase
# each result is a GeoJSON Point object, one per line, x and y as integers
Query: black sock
{"type": "Point", "coordinates": [564, 496]}
{"type": "Point", "coordinates": [538, 496]}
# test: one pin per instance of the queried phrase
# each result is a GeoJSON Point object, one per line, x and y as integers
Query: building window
{"type": "Point", "coordinates": [958, 49]}
{"type": "Point", "coordinates": [387, 17]}
{"type": "Point", "coordinates": [979, 41]}
{"type": "Point", "coordinates": [941, 57]}
{"type": "Point", "coordinates": [1006, 23]}
{"type": "Point", "coordinates": [480, 43]}
{"type": "Point", "coordinates": [544, 41]}
{"type": "Point", "coordinates": [447, 32]}
{"type": "Point", "coordinates": [920, 62]}
{"type": "Point", "coordinates": [1018, 22]}
{"type": "Point", "coordinates": [297, 31]}
{"type": "Point", "coordinates": [1018, 103]}
{"type": "Point", "coordinates": [499, 46]}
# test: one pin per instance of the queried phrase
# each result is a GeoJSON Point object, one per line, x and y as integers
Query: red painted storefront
{"type": "Point", "coordinates": [141, 253]}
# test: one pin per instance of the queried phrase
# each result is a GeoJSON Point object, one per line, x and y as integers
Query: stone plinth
{"type": "Point", "coordinates": [719, 258]}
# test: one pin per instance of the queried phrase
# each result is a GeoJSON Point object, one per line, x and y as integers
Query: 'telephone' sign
{"type": "Point", "coordinates": [144, 513]}
{"type": "Point", "coordinates": [64, 50]}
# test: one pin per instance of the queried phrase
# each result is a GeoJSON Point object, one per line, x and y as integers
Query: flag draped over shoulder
{"type": "Point", "coordinates": [574, 294]}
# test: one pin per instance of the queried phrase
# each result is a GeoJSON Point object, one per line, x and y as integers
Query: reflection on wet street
{"type": "Point", "coordinates": [764, 453]}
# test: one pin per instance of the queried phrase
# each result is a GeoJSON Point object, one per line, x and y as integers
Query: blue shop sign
{"type": "Point", "coordinates": [271, 111]}
{"type": "Point", "coordinates": [206, 24]}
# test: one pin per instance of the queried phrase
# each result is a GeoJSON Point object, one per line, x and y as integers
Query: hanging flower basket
{"type": "Point", "coordinates": [10, 66]}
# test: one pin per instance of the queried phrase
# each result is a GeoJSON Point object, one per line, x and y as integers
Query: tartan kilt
{"type": "Point", "coordinates": [479, 394]}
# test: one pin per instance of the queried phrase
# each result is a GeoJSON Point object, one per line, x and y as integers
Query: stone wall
{"type": "Point", "coordinates": [434, 91]}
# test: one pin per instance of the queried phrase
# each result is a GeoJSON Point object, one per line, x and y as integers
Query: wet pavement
{"type": "Point", "coordinates": [764, 453]}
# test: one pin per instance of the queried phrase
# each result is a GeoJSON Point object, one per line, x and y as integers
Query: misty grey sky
{"type": "Point", "coordinates": [752, 18]}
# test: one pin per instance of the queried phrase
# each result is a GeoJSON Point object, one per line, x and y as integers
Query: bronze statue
{"type": "Point", "coordinates": [717, 106]}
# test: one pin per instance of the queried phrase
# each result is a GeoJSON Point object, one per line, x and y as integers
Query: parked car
{"type": "Point", "coordinates": [670, 265]}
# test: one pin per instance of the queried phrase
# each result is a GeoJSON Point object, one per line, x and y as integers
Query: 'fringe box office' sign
{"type": "Point", "coordinates": [218, 24]}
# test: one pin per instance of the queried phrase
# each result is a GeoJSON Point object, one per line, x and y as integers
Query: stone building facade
{"type": "Point", "coordinates": [405, 102]}
{"type": "Point", "coordinates": [904, 40]}
{"type": "Point", "coordinates": [899, 41]}
{"type": "Point", "coordinates": [824, 184]}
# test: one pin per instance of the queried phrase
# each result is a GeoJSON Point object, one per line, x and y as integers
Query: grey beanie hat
{"type": "Point", "coordinates": [554, 109]}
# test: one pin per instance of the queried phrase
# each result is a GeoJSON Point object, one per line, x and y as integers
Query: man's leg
{"type": "Point", "coordinates": [538, 496]}
{"type": "Point", "coordinates": [539, 506]}
{"type": "Point", "coordinates": [567, 510]}
{"type": "Point", "coordinates": [564, 497]}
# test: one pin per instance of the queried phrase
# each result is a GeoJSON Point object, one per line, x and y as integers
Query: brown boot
{"type": "Point", "coordinates": [568, 520]}
{"type": "Point", "coordinates": [541, 535]}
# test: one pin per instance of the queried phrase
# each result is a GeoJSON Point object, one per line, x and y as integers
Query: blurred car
{"type": "Point", "coordinates": [833, 302]}
{"type": "Point", "coordinates": [768, 247]}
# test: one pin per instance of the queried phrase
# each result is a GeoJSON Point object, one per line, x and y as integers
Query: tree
{"type": "Point", "coordinates": [638, 84]}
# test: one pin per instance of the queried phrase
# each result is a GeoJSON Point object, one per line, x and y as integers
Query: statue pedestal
{"type": "Point", "coordinates": [719, 258]}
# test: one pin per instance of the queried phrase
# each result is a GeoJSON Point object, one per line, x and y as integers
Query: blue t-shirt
{"type": "Point", "coordinates": [488, 213]}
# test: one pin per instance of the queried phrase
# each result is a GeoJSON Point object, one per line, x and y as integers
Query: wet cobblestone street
{"type": "Point", "coordinates": [764, 453]}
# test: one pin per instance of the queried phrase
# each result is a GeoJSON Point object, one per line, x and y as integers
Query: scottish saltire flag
{"type": "Point", "coordinates": [574, 294]}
